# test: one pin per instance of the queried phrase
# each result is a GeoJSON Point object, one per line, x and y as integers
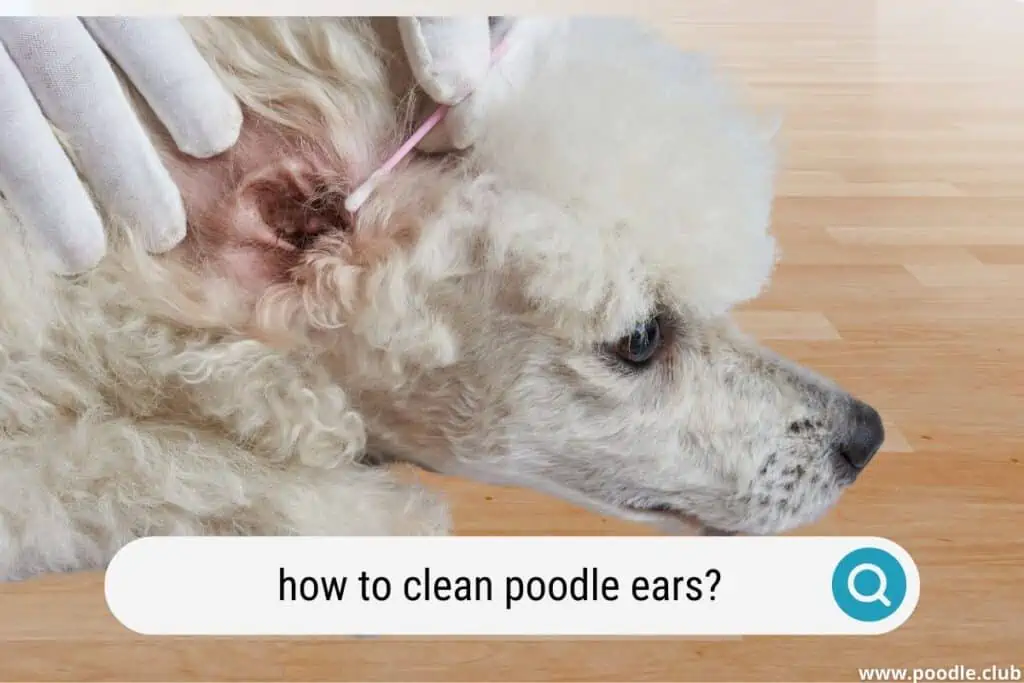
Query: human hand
{"type": "Point", "coordinates": [53, 71]}
{"type": "Point", "coordinates": [450, 58]}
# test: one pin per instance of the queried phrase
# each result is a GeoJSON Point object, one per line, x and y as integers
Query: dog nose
{"type": "Point", "coordinates": [865, 436]}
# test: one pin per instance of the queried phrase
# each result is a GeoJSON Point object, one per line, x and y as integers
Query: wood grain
{"type": "Point", "coordinates": [901, 216]}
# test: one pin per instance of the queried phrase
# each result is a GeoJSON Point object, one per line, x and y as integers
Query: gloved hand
{"type": "Point", "coordinates": [450, 58]}
{"type": "Point", "coordinates": [53, 70]}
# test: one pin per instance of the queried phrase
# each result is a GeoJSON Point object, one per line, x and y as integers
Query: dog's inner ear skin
{"type": "Point", "coordinates": [299, 216]}
{"type": "Point", "coordinates": [295, 207]}
{"type": "Point", "coordinates": [256, 209]}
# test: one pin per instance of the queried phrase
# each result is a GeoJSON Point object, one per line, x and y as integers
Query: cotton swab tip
{"type": "Point", "coordinates": [358, 197]}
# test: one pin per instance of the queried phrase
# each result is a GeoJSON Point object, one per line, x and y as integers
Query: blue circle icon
{"type": "Point", "coordinates": [869, 584]}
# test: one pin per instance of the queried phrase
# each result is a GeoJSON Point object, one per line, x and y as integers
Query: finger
{"type": "Point", "coordinates": [523, 43]}
{"type": "Point", "coordinates": [79, 93]}
{"type": "Point", "coordinates": [162, 62]}
{"type": "Point", "coordinates": [38, 180]}
{"type": "Point", "coordinates": [449, 56]}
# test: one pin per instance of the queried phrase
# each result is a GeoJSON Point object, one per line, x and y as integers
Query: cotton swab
{"type": "Point", "coordinates": [358, 197]}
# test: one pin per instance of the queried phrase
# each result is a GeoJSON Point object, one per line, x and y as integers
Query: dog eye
{"type": "Point", "coordinates": [639, 347]}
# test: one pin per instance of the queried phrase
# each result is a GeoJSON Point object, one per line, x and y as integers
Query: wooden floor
{"type": "Point", "coordinates": [901, 213]}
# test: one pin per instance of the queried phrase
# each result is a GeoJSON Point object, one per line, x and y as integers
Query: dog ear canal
{"type": "Point", "coordinates": [297, 207]}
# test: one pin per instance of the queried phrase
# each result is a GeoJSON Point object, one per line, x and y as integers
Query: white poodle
{"type": "Point", "coordinates": [548, 310]}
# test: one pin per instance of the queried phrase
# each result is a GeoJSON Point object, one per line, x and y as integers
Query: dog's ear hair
{"type": "Point", "coordinates": [375, 276]}
{"type": "Point", "coordinates": [276, 216]}
{"type": "Point", "coordinates": [257, 212]}
{"type": "Point", "coordinates": [269, 215]}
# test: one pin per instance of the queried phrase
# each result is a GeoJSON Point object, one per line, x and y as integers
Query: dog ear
{"type": "Point", "coordinates": [275, 217]}
{"type": "Point", "coordinates": [259, 213]}
{"type": "Point", "coordinates": [269, 216]}
{"type": "Point", "coordinates": [255, 209]}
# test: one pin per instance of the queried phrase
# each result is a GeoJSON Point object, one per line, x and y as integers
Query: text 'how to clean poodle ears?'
{"type": "Point", "coordinates": [473, 586]}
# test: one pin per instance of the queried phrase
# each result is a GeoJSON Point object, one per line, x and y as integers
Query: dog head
{"type": "Point", "coordinates": [550, 309]}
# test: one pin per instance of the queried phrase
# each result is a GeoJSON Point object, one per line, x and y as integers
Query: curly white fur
{"type": "Point", "coordinates": [463, 322]}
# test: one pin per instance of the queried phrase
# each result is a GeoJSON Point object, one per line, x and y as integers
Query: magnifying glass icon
{"type": "Point", "coordinates": [878, 595]}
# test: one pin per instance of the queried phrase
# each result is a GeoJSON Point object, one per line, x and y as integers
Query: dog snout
{"type": "Point", "coordinates": [865, 435]}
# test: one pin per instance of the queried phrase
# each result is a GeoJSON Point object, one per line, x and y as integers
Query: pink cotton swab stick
{"type": "Point", "coordinates": [359, 196]}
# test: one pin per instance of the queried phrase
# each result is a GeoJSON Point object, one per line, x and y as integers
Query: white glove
{"type": "Point", "coordinates": [450, 58]}
{"type": "Point", "coordinates": [54, 70]}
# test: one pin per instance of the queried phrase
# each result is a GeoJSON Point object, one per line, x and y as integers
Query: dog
{"type": "Point", "coordinates": [548, 309]}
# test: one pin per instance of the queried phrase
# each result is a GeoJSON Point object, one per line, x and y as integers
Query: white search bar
{"type": "Point", "coordinates": [492, 586]}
